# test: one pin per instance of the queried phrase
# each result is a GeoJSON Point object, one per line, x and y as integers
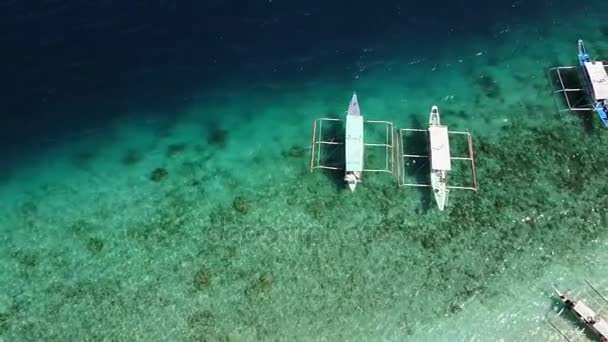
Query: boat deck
{"type": "Point", "coordinates": [354, 143]}
{"type": "Point", "coordinates": [601, 326]}
{"type": "Point", "coordinates": [439, 148]}
{"type": "Point", "coordinates": [598, 78]}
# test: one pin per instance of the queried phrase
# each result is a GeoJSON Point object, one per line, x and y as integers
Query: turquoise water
{"type": "Point", "coordinates": [209, 225]}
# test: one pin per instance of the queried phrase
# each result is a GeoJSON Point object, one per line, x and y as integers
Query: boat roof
{"type": "Point", "coordinates": [599, 79]}
{"type": "Point", "coordinates": [602, 327]}
{"type": "Point", "coordinates": [440, 148]}
{"type": "Point", "coordinates": [583, 310]}
{"type": "Point", "coordinates": [353, 143]}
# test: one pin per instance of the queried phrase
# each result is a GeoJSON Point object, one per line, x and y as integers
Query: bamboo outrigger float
{"type": "Point", "coordinates": [593, 320]}
{"type": "Point", "coordinates": [353, 143]}
{"type": "Point", "coordinates": [589, 89]}
{"type": "Point", "coordinates": [440, 159]}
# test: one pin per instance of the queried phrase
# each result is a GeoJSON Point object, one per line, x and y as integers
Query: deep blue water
{"type": "Point", "coordinates": [70, 65]}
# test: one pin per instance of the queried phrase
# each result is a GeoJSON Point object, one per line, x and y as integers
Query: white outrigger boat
{"type": "Point", "coordinates": [353, 143]}
{"type": "Point", "coordinates": [440, 159]}
{"type": "Point", "coordinates": [590, 318]}
{"type": "Point", "coordinates": [583, 87]}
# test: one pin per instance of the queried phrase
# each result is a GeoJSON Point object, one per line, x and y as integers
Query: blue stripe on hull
{"type": "Point", "coordinates": [599, 109]}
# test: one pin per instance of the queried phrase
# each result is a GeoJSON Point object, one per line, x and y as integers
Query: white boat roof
{"type": "Point", "coordinates": [353, 143]}
{"type": "Point", "coordinates": [583, 310]}
{"type": "Point", "coordinates": [439, 148]}
{"type": "Point", "coordinates": [602, 327]}
{"type": "Point", "coordinates": [599, 79]}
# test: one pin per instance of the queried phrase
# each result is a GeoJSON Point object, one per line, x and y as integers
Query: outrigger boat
{"type": "Point", "coordinates": [440, 159]}
{"type": "Point", "coordinates": [596, 82]}
{"type": "Point", "coordinates": [353, 143]}
{"type": "Point", "coordinates": [592, 75]}
{"type": "Point", "coordinates": [590, 318]}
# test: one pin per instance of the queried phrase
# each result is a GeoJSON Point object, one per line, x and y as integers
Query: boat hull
{"type": "Point", "coordinates": [354, 146]}
{"type": "Point", "coordinates": [440, 188]}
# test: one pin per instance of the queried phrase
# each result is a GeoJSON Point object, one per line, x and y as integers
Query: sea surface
{"type": "Point", "coordinates": [156, 186]}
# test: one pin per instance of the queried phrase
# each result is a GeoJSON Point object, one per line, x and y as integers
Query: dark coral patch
{"type": "Point", "coordinates": [294, 152]}
{"type": "Point", "coordinates": [25, 258]}
{"type": "Point", "coordinates": [131, 157]}
{"type": "Point", "coordinates": [159, 174]}
{"type": "Point", "coordinates": [95, 245]}
{"type": "Point", "coordinates": [217, 136]}
{"type": "Point", "coordinates": [82, 159]}
{"type": "Point", "coordinates": [174, 149]}
{"type": "Point", "coordinates": [202, 279]}
{"type": "Point", "coordinates": [260, 288]}
{"type": "Point", "coordinates": [240, 205]}
{"type": "Point", "coordinates": [489, 87]}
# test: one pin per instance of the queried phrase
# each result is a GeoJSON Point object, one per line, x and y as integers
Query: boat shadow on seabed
{"type": "Point", "coordinates": [418, 170]}
{"type": "Point", "coordinates": [333, 155]}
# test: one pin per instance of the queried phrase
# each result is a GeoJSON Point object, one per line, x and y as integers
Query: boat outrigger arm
{"type": "Point", "coordinates": [440, 159]}
{"type": "Point", "coordinates": [590, 91]}
{"type": "Point", "coordinates": [353, 143]}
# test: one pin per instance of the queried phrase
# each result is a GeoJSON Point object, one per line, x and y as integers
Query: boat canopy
{"type": "Point", "coordinates": [354, 143]}
{"type": "Point", "coordinates": [602, 327]}
{"type": "Point", "coordinates": [583, 310]}
{"type": "Point", "coordinates": [599, 79]}
{"type": "Point", "coordinates": [439, 148]}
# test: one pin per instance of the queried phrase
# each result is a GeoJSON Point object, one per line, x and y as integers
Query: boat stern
{"type": "Point", "coordinates": [602, 111]}
{"type": "Point", "coordinates": [440, 189]}
{"type": "Point", "coordinates": [352, 179]}
{"type": "Point", "coordinates": [441, 197]}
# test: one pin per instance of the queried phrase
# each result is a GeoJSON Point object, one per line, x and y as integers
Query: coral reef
{"type": "Point", "coordinates": [159, 174]}
{"type": "Point", "coordinates": [240, 204]}
{"type": "Point", "coordinates": [83, 159]}
{"type": "Point", "coordinates": [217, 136]}
{"type": "Point", "coordinates": [295, 151]}
{"type": "Point", "coordinates": [174, 149]}
{"type": "Point", "coordinates": [95, 245]}
{"type": "Point", "coordinates": [260, 288]}
{"type": "Point", "coordinates": [489, 87]}
{"type": "Point", "coordinates": [202, 279]}
{"type": "Point", "coordinates": [203, 326]}
{"type": "Point", "coordinates": [131, 157]}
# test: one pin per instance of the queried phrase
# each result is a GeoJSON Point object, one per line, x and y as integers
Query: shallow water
{"type": "Point", "coordinates": [179, 205]}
